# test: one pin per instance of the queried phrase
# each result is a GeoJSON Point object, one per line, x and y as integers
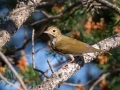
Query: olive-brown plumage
{"type": "Point", "coordinates": [68, 46]}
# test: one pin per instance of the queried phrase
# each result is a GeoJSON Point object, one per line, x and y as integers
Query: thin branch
{"type": "Point", "coordinates": [117, 23]}
{"type": "Point", "coordinates": [23, 47]}
{"type": "Point", "coordinates": [13, 70]}
{"type": "Point", "coordinates": [50, 18]}
{"type": "Point", "coordinates": [52, 3]}
{"type": "Point", "coordinates": [43, 12]}
{"type": "Point", "coordinates": [71, 84]}
{"type": "Point", "coordinates": [97, 79]}
{"type": "Point", "coordinates": [33, 58]}
{"type": "Point", "coordinates": [57, 65]}
{"type": "Point", "coordinates": [110, 5]}
{"type": "Point", "coordinates": [41, 72]}
{"type": "Point", "coordinates": [27, 41]}
{"type": "Point", "coordinates": [103, 77]}
{"type": "Point", "coordinates": [51, 67]}
{"type": "Point", "coordinates": [25, 32]}
{"type": "Point", "coordinates": [4, 79]}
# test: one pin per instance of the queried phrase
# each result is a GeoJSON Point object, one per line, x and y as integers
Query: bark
{"type": "Point", "coordinates": [110, 5]}
{"type": "Point", "coordinates": [57, 78]}
{"type": "Point", "coordinates": [17, 17]}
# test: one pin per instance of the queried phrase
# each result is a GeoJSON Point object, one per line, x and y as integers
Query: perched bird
{"type": "Point", "coordinates": [68, 46]}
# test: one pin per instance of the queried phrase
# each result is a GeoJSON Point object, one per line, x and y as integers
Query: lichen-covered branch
{"type": "Point", "coordinates": [17, 17]}
{"type": "Point", "coordinates": [57, 78]}
{"type": "Point", "coordinates": [106, 44]}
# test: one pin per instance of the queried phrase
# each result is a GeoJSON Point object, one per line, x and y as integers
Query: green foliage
{"type": "Point", "coordinates": [30, 77]}
{"type": "Point", "coordinates": [9, 75]}
{"type": "Point", "coordinates": [114, 82]}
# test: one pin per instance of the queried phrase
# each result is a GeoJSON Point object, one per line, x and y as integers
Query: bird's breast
{"type": "Point", "coordinates": [54, 44]}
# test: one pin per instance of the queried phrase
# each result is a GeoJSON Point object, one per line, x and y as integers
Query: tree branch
{"type": "Point", "coordinates": [50, 18]}
{"type": "Point", "coordinates": [103, 77]}
{"type": "Point", "coordinates": [33, 57]}
{"type": "Point", "coordinates": [13, 70]}
{"type": "Point", "coordinates": [57, 78]}
{"type": "Point", "coordinates": [110, 5]}
{"type": "Point", "coordinates": [16, 19]}
{"type": "Point", "coordinates": [52, 3]}
{"type": "Point", "coordinates": [4, 79]}
{"type": "Point", "coordinates": [51, 67]}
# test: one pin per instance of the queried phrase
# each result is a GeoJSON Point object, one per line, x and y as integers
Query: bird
{"type": "Point", "coordinates": [68, 46]}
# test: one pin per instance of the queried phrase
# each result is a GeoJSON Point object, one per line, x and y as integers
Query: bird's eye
{"type": "Point", "coordinates": [53, 30]}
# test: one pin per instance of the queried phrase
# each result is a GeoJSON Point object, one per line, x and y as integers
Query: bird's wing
{"type": "Point", "coordinates": [67, 45]}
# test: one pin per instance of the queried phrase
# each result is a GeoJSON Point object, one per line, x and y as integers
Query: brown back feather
{"type": "Point", "coordinates": [69, 45]}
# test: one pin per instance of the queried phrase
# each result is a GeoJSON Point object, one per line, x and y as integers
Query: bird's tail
{"type": "Point", "coordinates": [102, 51]}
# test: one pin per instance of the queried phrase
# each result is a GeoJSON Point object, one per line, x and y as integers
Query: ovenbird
{"type": "Point", "coordinates": [68, 46]}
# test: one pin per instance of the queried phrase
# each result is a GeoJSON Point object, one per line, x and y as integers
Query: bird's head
{"type": "Point", "coordinates": [53, 32]}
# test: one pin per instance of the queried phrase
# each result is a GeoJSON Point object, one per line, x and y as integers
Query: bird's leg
{"type": "Point", "coordinates": [72, 59]}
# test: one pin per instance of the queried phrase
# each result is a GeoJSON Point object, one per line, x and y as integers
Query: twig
{"type": "Point", "coordinates": [103, 77]}
{"type": "Point", "coordinates": [4, 79]}
{"type": "Point", "coordinates": [50, 18]}
{"type": "Point", "coordinates": [25, 32]}
{"type": "Point", "coordinates": [42, 72]}
{"type": "Point", "coordinates": [71, 84]}
{"type": "Point", "coordinates": [51, 67]}
{"type": "Point", "coordinates": [33, 58]}
{"type": "Point", "coordinates": [28, 40]}
{"type": "Point", "coordinates": [100, 78]}
{"type": "Point", "coordinates": [43, 12]}
{"type": "Point", "coordinates": [110, 5]}
{"type": "Point", "coordinates": [13, 70]}
{"type": "Point", "coordinates": [56, 65]}
{"type": "Point", "coordinates": [118, 22]}
{"type": "Point", "coordinates": [52, 3]}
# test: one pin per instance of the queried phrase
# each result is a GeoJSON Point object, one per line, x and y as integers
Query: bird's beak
{"type": "Point", "coordinates": [45, 32]}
